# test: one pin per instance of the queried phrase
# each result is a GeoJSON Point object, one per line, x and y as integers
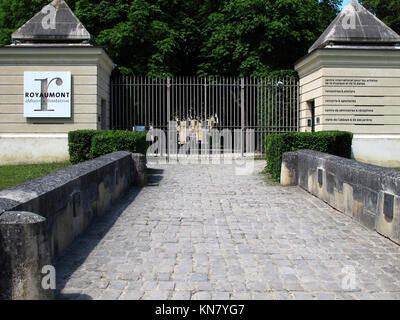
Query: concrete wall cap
{"type": "Point", "coordinates": [20, 217]}
{"type": "Point", "coordinates": [12, 197]}
{"type": "Point", "coordinates": [361, 166]}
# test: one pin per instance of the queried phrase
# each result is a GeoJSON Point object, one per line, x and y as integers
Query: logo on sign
{"type": "Point", "coordinates": [47, 94]}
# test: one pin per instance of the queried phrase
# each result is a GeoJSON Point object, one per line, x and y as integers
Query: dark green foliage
{"type": "Point", "coordinates": [112, 141]}
{"type": "Point", "coordinates": [255, 37]}
{"type": "Point", "coordinates": [14, 13]}
{"type": "Point", "coordinates": [333, 142]}
{"type": "Point", "coordinates": [284, 74]}
{"type": "Point", "coordinates": [274, 104]}
{"type": "Point", "coordinates": [89, 144]}
{"type": "Point", "coordinates": [79, 143]}
{"type": "Point", "coordinates": [192, 37]}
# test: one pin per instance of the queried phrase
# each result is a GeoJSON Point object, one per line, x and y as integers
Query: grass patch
{"type": "Point", "coordinates": [13, 175]}
{"type": "Point", "coordinates": [397, 168]}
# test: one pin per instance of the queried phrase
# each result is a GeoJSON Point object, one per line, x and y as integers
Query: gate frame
{"type": "Point", "coordinates": [121, 102]}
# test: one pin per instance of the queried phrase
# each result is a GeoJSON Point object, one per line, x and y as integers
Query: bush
{"type": "Point", "coordinates": [333, 142]}
{"type": "Point", "coordinates": [112, 141]}
{"type": "Point", "coordinates": [89, 144]}
{"type": "Point", "coordinates": [79, 143]}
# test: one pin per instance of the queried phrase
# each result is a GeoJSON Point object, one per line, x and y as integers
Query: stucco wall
{"type": "Point", "coordinates": [84, 111]}
{"type": "Point", "coordinates": [47, 138]}
{"type": "Point", "coordinates": [356, 90]}
{"type": "Point", "coordinates": [33, 148]}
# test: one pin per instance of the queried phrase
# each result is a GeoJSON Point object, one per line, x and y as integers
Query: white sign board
{"type": "Point", "coordinates": [47, 94]}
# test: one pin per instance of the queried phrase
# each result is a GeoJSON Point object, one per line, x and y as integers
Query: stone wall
{"type": "Point", "coordinates": [40, 218]}
{"type": "Point", "coordinates": [369, 194]}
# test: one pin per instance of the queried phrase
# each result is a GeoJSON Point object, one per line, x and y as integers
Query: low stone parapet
{"type": "Point", "coordinates": [24, 251]}
{"type": "Point", "coordinates": [369, 194]}
{"type": "Point", "coordinates": [40, 218]}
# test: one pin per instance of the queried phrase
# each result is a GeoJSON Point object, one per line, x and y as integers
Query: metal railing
{"type": "Point", "coordinates": [265, 105]}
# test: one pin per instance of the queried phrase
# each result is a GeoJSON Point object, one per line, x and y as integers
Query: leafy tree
{"type": "Point", "coordinates": [147, 37]}
{"type": "Point", "coordinates": [329, 9]}
{"type": "Point", "coordinates": [251, 37]}
{"type": "Point", "coordinates": [14, 13]}
{"type": "Point", "coordinates": [386, 10]}
{"type": "Point", "coordinates": [204, 37]}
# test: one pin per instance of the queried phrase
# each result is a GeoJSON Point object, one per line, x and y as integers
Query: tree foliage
{"type": "Point", "coordinates": [14, 13]}
{"type": "Point", "coordinates": [253, 37]}
{"type": "Point", "coordinates": [203, 37]}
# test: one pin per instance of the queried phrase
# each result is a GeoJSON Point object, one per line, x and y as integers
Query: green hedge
{"type": "Point", "coordinates": [79, 143]}
{"type": "Point", "coordinates": [112, 141]}
{"type": "Point", "coordinates": [333, 142]}
{"type": "Point", "coordinates": [89, 144]}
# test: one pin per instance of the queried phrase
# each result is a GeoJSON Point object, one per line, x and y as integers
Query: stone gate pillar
{"type": "Point", "coordinates": [350, 81]}
{"type": "Point", "coordinates": [53, 79]}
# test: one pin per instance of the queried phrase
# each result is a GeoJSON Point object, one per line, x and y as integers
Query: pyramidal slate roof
{"type": "Point", "coordinates": [366, 28]}
{"type": "Point", "coordinates": [67, 27]}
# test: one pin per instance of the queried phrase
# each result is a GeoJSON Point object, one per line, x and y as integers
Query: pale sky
{"type": "Point", "coordinates": [345, 2]}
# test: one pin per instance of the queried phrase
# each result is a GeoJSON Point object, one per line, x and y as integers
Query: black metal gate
{"type": "Point", "coordinates": [265, 105]}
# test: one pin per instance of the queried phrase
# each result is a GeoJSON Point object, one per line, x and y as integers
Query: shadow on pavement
{"type": "Point", "coordinates": [154, 177]}
{"type": "Point", "coordinates": [76, 254]}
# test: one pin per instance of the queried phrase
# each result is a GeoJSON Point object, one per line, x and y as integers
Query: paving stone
{"type": "Point", "coordinates": [164, 277]}
{"type": "Point", "coordinates": [199, 277]}
{"type": "Point", "coordinates": [150, 285]}
{"type": "Point", "coordinates": [132, 276]}
{"type": "Point", "coordinates": [262, 296]}
{"type": "Point", "coordinates": [117, 284]}
{"type": "Point", "coordinates": [131, 295]}
{"type": "Point", "coordinates": [166, 285]}
{"type": "Point", "coordinates": [303, 296]}
{"type": "Point", "coordinates": [220, 296]}
{"type": "Point", "coordinates": [110, 294]}
{"type": "Point", "coordinates": [202, 295]}
{"type": "Point", "coordinates": [181, 295]}
{"type": "Point", "coordinates": [324, 296]}
{"type": "Point", "coordinates": [204, 286]}
{"type": "Point", "coordinates": [186, 286]}
{"type": "Point", "coordinates": [204, 232]}
{"type": "Point", "coordinates": [282, 295]}
{"type": "Point", "coordinates": [257, 286]}
{"type": "Point", "coordinates": [156, 295]}
{"type": "Point", "coordinates": [241, 296]}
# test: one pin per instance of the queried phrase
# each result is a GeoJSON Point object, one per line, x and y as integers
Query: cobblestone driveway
{"type": "Point", "coordinates": [201, 232]}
